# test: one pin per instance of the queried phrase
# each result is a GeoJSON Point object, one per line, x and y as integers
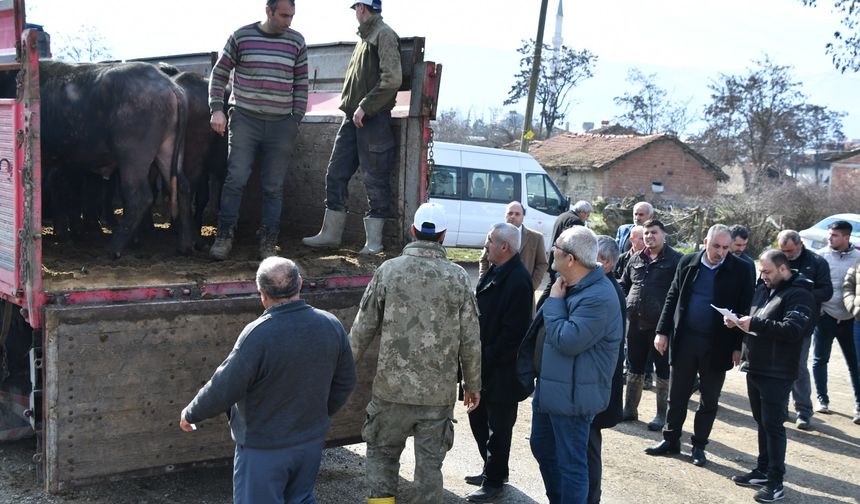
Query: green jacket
{"type": "Point", "coordinates": [421, 308]}
{"type": "Point", "coordinates": [374, 74]}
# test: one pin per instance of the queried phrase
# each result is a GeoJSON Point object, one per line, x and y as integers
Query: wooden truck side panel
{"type": "Point", "coordinates": [117, 377]}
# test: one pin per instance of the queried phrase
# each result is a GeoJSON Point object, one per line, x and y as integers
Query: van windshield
{"type": "Point", "coordinates": [543, 194]}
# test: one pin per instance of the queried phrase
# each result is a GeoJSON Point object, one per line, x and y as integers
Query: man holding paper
{"type": "Point", "coordinates": [697, 340]}
{"type": "Point", "coordinates": [783, 314]}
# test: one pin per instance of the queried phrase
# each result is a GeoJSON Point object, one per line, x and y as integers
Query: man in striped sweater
{"type": "Point", "coordinates": [268, 64]}
{"type": "Point", "coordinates": [365, 138]}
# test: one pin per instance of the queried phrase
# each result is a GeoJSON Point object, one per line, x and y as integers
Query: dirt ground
{"type": "Point", "coordinates": [153, 261]}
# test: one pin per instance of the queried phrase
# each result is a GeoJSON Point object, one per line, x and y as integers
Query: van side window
{"type": "Point", "coordinates": [543, 195]}
{"type": "Point", "coordinates": [492, 186]}
{"type": "Point", "coordinates": [445, 182]}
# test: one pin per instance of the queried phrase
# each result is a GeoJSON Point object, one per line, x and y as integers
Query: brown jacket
{"type": "Point", "coordinates": [531, 252]}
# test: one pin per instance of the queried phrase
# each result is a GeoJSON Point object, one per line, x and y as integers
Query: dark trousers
{"type": "Point", "coordinates": [373, 148]}
{"type": "Point", "coordinates": [274, 140]}
{"type": "Point", "coordinates": [640, 346]}
{"type": "Point", "coordinates": [693, 357]}
{"type": "Point", "coordinates": [826, 331]}
{"type": "Point", "coordinates": [595, 464]}
{"type": "Point", "coordinates": [492, 425]}
{"type": "Point", "coordinates": [280, 475]}
{"type": "Point", "coordinates": [767, 401]}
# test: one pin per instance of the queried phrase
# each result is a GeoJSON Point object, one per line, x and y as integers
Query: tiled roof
{"type": "Point", "coordinates": [586, 152]}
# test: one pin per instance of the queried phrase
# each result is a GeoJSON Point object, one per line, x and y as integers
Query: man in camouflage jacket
{"type": "Point", "coordinates": [421, 308]}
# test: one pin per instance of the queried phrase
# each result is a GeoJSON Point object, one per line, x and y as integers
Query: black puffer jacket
{"type": "Point", "coordinates": [780, 320]}
{"type": "Point", "coordinates": [646, 285]}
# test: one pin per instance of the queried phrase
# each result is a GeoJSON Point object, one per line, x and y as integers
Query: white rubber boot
{"type": "Point", "coordinates": [331, 232]}
{"type": "Point", "coordinates": [373, 230]}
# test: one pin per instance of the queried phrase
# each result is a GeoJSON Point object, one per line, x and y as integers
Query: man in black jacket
{"type": "Point", "coordinates": [782, 313]}
{"type": "Point", "coordinates": [700, 342]}
{"type": "Point", "coordinates": [504, 296]}
{"type": "Point", "coordinates": [607, 255]}
{"type": "Point", "coordinates": [576, 216]}
{"type": "Point", "coordinates": [646, 282]}
{"type": "Point", "coordinates": [816, 269]}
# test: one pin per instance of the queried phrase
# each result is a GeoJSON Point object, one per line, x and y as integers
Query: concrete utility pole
{"type": "Point", "coordinates": [528, 134]}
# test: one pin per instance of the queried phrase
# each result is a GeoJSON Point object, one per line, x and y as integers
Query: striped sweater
{"type": "Point", "coordinates": [270, 73]}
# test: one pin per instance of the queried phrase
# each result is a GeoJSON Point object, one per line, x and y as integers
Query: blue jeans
{"type": "Point", "coordinates": [280, 475]}
{"type": "Point", "coordinates": [560, 445]}
{"type": "Point", "coordinates": [827, 329]}
{"type": "Point", "coordinates": [274, 140]}
{"type": "Point", "coordinates": [373, 148]}
{"type": "Point", "coordinates": [857, 340]}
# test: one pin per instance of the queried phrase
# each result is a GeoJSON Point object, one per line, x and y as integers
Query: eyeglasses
{"type": "Point", "coordinates": [563, 250]}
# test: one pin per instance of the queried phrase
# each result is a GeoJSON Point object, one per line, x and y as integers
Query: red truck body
{"type": "Point", "coordinates": [115, 350]}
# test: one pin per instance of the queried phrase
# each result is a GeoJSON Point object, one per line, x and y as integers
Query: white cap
{"type": "Point", "coordinates": [430, 218]}
{"type": "Point", "coordinates": [376, 4]}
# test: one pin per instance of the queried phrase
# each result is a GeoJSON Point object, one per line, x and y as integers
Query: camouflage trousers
{"type": "Point", "coordinates": [385, 431]}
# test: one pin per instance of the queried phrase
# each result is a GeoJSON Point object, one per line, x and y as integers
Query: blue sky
{"type": "Point", "coordinates": [686, 43]}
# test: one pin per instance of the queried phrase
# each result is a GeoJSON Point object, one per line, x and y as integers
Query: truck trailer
{"type": "Point", "coordinates": [101, 355]}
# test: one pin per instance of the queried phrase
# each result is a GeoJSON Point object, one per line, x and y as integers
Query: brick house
{"type": "Point", "coordinates": [659, 167]}
{"type": "Point", "coordinates": [845, 178]}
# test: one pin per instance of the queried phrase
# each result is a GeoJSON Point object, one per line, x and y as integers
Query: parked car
{"type": "Point", "coordinates": [475, 184]}
{"type": "Point", "coordinates": [815, 238]}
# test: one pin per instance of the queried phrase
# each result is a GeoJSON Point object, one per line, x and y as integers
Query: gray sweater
{"type": "Point", "coordinates": [289, 372]}
{"type": "Point", "coordinates": [839, 261]}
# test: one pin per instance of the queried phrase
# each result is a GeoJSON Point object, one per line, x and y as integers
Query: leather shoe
{"type": "Point", "coordinates": [664, 448]}
{"type": "Point", "coordinates": [485, 494]}
{"type": "Point", "coordinates": [477, 479]}
{"type": "Point", "coordinates": [698, 456]}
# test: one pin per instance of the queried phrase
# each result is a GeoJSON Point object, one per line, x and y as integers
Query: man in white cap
{"type": "Point", "coordinates": [365, 138]}
{"type": "Point", "coordinates": [421, 308]}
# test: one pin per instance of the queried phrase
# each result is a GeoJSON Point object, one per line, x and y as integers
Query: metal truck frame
{"type": "Point", "coordinates": [111, 367]}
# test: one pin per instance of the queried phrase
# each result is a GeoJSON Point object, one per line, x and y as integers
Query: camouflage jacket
{"type": "Point", "coordinates": [422, 309]}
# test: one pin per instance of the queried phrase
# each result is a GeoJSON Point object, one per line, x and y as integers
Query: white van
{"type": "Point", "coordinates": [475, 184]}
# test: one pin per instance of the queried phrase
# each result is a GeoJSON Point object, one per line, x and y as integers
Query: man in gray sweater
{"type": "Point", "coordinates": [288, 373]}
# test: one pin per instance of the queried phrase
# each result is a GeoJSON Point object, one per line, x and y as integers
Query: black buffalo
{"type": "Point", "coordinates": [122, 118]}
{"type": "Point", "coordinates": [205, 157]}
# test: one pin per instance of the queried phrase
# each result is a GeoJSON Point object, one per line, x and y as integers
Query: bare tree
{"type": "Point", "coordinates": [87, 44]}
{"type": "Point", "coordinates": [559, 74]}
{"type": "Point", "coordinates": [449, 127]}
{"type": "Point", "coordinates": [648, 109]}
{"type": "Point", "coordinates": [844, 50]}
{"type": "Point", "coordinates": [762, 119]}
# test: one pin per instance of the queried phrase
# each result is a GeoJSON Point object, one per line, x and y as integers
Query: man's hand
{"type": "Point", "coordinates": [471, 400]}
{"type": "Point", "coordinates": [661, 343]}
{"type": "Point", "coordinates": [218, 121]}
{"type": "Point", "coordinates": [736, 358]}
{"type": "Point", "coordinates": [358, 118]}
{"type": "Point", "coordinates": [559, 288]}
{"type": "Point", "coordinates": [744, 323]}
{"type": "Point", "coordinates": [183, 423]}
{"type": "Point", "coordinates": [730, 324]}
